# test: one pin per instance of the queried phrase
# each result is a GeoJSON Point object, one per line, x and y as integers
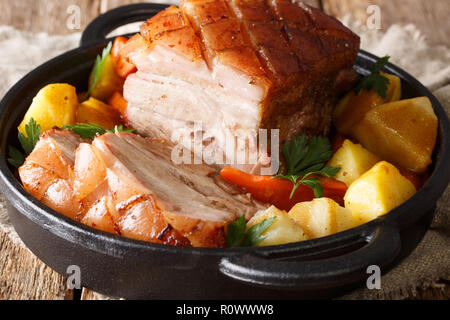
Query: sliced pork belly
{"type": "Point", "coordinates": [128, 185]}
{"type": "Point", "coordinates": [186, 196]}
{"type": "Point", "coordinates": [237, 66]}
{"type": "Point", "coordinates": [47, 173]}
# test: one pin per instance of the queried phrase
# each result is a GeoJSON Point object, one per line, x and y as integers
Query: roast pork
{"type": "Point", "coordinates": [127, 185]}
{"type": "Point", "coordinates": [223, 69]}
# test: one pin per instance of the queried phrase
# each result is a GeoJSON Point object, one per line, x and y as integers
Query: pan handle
{"type": "Point", "coordinates": [101, 26]}
{"type": "Point", "coordinates": [382, 247]}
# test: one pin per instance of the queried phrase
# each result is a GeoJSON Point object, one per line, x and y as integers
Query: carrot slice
{"type": "Point", "coordinates": [118, 102]}
{"type": "Point", "coordinates": [277, 191]}
{"type": "Point", "coordinates": [121, 65]}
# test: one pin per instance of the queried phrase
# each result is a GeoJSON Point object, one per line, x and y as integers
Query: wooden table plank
{"type": "Point", "coordinates": [430, 16]}
{"type": "Point", "coordinates": [53, 16]}
{"type": "Point", "coordinates": [88, 294]}
{"type": "Point", "coordinates": [25, 277]}
{"type": "Point", "coordinates": [110, 4]}
{"type": "Point", "coordinates": [47, 16]}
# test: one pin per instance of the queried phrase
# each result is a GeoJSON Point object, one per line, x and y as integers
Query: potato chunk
{"type": "Point", "coordinates": [54, 105]}
{"type": "Point", "coordinates": [377, 192]}
{"type": "Point", "coordinates": [322, 217]}
{"type": "Point", "coordinates": [352, 108]}
{"type": "Point", "coordinates": [95, 112]}
{"type": "Point", "coordinates": [354, 160]}
{"type": "Point", "coordinates": [403, 132]}
{"type": "Point", "coordinates": [283, 229]}
{"type": "Point", "coordinates": [107, 83]}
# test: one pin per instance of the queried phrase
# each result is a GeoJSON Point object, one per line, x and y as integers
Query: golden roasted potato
{"type": "Point", "coordinates": [107, 83]}
{"type": "Point", "coordinates": [377, 192]}
{"type": "Point", "coordinates": [354, 160]}
{"type": "Point", "coordinates": [403, 132]}
{"type": "Point", "coordinates": [95, 112]}
{"type": "Point", "coordinates": [54, 105]}
{"type": "Point", "coordinates": [321, 217]}
{"type": "Point", "coordinates": [352, 108]}
{"type": "Point", "coordinates": [283, 229]}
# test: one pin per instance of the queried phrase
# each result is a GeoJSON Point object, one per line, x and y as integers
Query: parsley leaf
{"type": "Point", "coordinates": [375, 80]}
{"type": "Point", "coordinates": [98, 68]}
{"type": "Point", "coordinates": [16, 157]}
{"type": "Point", "coordinates": [293, 151]}
{"type": "Point", "coordinates": [329, 172]}
{"type": "Point", "coordinates": [238, 237]}
{"type": "Point", "coordinates": [235, 232]}
{"type": "Point", "coordinates": [317, 152]}
{"type": "Point", "coordinates": [305, 159]}
{"type": "Point", "coordinates": [253, 235]}
{"type": "Point", "coordinates": [85, 130]}
{"type": "Point", "coordinates": [314, 184]}
{"type": "Point", "coordinates": [33, 131]}
{"type": "Point", "coordinates": [120, 128]}
{"type": "Point", "coordinates": [28, 142]}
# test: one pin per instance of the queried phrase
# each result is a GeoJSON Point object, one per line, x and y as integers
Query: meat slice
{"type": "Point", "coordinates": [128, 185]}
{"type": "Point", "coordinates": [237, 66]}
{"type": "Point", "coordinates": [186, 196]}
{"type": "Point", "coordinates": [47, 173]}
{"type": "Point", "coordinates": [89, 171]}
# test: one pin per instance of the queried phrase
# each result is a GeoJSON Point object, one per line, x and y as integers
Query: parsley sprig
{"type": "Point", "coordinates": [305, 160]}
{"type": "Point", "coordinates": [90, 131]}
{"type": "Point", "coordinates": [28, 142]}
{"type": "Point", "coordinates": [33, 130]}
{"type": "Point", "coordinates": [16, 157]}
{"type": "Point", "coordinates": [237, 236]}
{"type": "Point", "coordinates": [98, 68]}
{"type": "Point", "coordinates": [375, 80]}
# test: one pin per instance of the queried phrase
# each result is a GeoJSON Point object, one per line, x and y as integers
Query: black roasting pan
{"type": "Point", "coordinates": [132, 269]}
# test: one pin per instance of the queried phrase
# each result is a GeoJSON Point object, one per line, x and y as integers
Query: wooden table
{"type": "Point", "coordinates": [22, 275]}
